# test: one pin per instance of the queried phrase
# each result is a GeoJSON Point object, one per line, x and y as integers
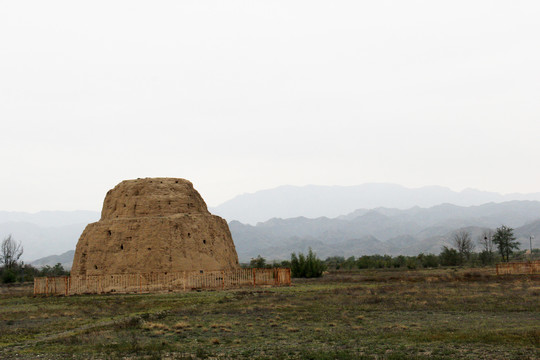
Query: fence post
{"type": "Point", "coordinates": [185, 280]}
{"type": "Point", "coordinates": [289, 276]}
{"type": "Point", "coordinates": [254, 282]}
{"type": "Point", "coordinates": [47, 286]}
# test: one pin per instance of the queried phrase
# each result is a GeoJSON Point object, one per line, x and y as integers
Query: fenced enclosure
{"type": "Point", "coordinates": [160, 282]}
{"type": "Point", "coordinates": [514, 268]}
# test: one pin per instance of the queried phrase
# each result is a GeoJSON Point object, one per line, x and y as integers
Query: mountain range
{"type": "Point", "coordinates": [384, 230]}
{"type": "Point", "coordinates": [314, 201]}
{"type": "Point", "coordinates": [46, 232]}
{"type": "Point", "coordinates": [65, 259]}
{"type": "Point", "coordinates": [336, 220]}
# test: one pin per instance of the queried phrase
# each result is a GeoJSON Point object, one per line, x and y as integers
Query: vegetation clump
{"type": "Point", "coordinates": [307, 266]}
{"type": "Point", "coordinates": [13, 270]}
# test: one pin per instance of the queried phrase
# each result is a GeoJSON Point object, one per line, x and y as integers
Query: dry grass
{"type": "Point", "coordinates": [426, 314]}
{"type": "Point", "coordinates": [181, 325]}
{"type": "Point", "coordinates": [155, 326]}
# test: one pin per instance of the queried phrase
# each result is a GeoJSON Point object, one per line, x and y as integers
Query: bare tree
{"type": "Point", "coordinates": [485, 241]}
{"type": "Point", "coordinates": [10, 252]}
{"type": "Point", "coordinates": [463, 243]}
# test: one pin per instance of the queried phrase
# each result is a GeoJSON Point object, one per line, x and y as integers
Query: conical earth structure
{"type": "Point", "coordinates": [154, 225]}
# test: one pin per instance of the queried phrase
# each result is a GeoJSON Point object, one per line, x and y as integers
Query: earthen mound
{"type": "Point", "coordinates": [154, 225]}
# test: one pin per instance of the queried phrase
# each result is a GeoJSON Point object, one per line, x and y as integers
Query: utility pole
{"type": "Point", "coordinates": [530, 245]}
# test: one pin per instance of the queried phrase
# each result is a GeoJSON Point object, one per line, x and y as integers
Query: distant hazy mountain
{"type": "Point", "coordinates": [50, 218]}
{"type": "Point", "coordinates": [314, 201]}
{"type": "Point", "coordinates": [383, 230]}
{"type": "Point", "coordinates": [47, 232]}
{"type": "Point", "coordinates": [66, 259]}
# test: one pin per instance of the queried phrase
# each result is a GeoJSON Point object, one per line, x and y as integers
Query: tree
{"type": "Point", "coordinates": [10, 252]}
{"type": "Point", "coordinates": [485, 241]}
{"type": "Point", "coordinates": [295, 265]}
{"type": "Point", "coordinates": [349, 264]}
{"type": "Point", "coordinates": [281, 264]}
{"type": "Point", "coordinates": [506, 241]}
{"type": "Point", "coordinates": [314, 266]}
{"type": "Point", "coordinates": [463, 243]}
{"type": "Point", "coordinates": [56, 270]}
{"type": "Point", "coordinates": [259, 262]}
{"type": "Point", "coordinates": [335, 262]}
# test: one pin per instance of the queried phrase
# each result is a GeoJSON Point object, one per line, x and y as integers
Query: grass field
{"type": "Point", "coordinates": [424, 314]}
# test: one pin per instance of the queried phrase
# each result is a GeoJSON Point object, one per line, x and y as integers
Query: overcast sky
{"type": "Point", "coordinates": [239, 96]}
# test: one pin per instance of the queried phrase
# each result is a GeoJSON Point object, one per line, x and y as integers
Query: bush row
{"type": "Point", "coordinates": [24, 272]}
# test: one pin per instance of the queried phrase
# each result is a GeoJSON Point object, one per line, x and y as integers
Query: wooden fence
{"type": "Point", "coordinates": [52, 285]}
{"type": "Point", "coordinates": [154, 282]}
{"type": "Point", "coordinates": [530, 267]}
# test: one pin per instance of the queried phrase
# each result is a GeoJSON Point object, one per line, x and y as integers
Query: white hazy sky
{"type": "Point", "coordinates": [239, 96]}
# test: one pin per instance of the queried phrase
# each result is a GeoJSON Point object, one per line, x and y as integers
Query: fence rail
{"type": "Point", "coordinates": [159, 282]}
{"type": "Point", "coordinates": [530, 267]}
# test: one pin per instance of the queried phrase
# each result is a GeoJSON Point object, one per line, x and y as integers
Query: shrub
{"type": "Point", "coordinates": [411, 263]}
{"type": "Point", "coordinates": [430, 261]}
{"type": "Point", "coordinates": [306, 266]}
{"type": "Point", "coordinates": [486, 257]}
{"type": "Point", "coordinates": [8, 276]}
{"type": "Point", "coordinates": [364, 262]}
{"type": "Point", "coordinates": [399, 261]}
{"type": "Point", "coordinates": [449, 257]}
